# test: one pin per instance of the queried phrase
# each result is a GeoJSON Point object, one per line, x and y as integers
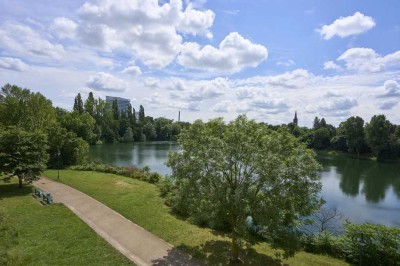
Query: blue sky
{"type": "Point", "coordinates": [265, 58]}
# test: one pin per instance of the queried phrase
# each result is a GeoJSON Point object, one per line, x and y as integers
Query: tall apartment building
{"type": "Point", "coordinates": [122, 102]}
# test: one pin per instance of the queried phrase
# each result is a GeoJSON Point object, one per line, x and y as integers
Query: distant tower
{"type": "Point", "coordinates": [295, 120]}
{"type": "Point", "coordinates": [179, 116]}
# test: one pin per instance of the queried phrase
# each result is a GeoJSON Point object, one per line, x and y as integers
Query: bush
{"type": "Point", "coordinates": [128, 171]}
{"type": "Point", "coordinates": [382, 244]}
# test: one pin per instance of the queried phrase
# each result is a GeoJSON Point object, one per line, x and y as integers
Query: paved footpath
{"type": "Point", "coordinates": [137, 244]}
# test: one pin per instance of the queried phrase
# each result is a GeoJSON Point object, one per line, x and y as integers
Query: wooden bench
{"type": "Point", "coordinates": [46, 196]}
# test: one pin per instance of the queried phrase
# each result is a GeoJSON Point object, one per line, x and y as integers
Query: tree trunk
{"type": "Point", "coordinates": [19, 182]}
{"type": "Point", "coordinates": [234, 248]}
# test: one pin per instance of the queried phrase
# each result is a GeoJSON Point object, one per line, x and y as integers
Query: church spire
{"type": "Point", "coordinates": [295, 120]}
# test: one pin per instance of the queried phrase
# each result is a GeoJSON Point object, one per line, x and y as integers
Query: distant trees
{"type": "Point", "coordinates": [377, 133]}
{"type": "Point", "coordinates": [78, 104]}
{"type": "Point", "coordinates": [228, 172]}
{"type": "Point", "coordinates": [354, 132]}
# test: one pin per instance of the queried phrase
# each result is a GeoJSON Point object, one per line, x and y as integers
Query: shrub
{"type": "Point", "coordinates": [128, 171]}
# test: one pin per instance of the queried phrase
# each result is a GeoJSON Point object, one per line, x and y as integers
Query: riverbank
{"type": "Point", "coordinates": [140, 202]}
{"type": "Point", "coordinates": [367, 157]}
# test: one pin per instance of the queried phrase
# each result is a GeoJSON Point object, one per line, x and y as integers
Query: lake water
{"type": "Point", "coordinates": [364, 191]}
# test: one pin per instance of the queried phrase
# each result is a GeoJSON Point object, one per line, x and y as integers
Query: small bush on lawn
{"type": "Point", "coordinates": [128, 171]}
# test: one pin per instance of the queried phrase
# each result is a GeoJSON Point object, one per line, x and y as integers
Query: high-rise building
{"type": "Point", "coordinates": [122, 102]}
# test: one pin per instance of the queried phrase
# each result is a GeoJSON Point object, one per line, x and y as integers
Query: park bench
{"type": "Point", "coordinates": [46, 196]}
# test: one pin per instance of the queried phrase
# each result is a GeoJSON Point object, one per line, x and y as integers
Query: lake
{"type": "Point", "coordinates": [364, 191]}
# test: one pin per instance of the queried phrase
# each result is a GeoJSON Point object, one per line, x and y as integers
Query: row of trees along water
{"type": "Point", "coordinates": [97, 121]}
{"type": "Point", "coordinates": [379, 137]}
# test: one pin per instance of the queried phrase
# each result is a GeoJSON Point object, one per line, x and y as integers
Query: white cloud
{"type": "Point", "coordinates": [388, 105]}
{"type": "Point", "coordinates": [332, 65]}
{"type": "Point", "coordinates": [233, 54]}
{"type": "Point", "coordinates": [271, 106]}
{"type": "Point", "coordinates": [20, 40]}
{"type": "Point", "coordinates": [132, 70]}
{"type": "Point", "coordinates": [149, 31]}
{"type": "Point", "coordinates": [347, 26]}
{"type": "Point", "coordinates": [391, 89]}
{"type": "Point", "coordinates": [64, 28]}
{"type": "Point", "coordinates": [287, 63]}
{"type": "Point", "coordinates": [337, 107]}
{"type": "Point", "coordinates": [12, 64]}
{"type": "Point", "coordinates": [106, 82]}
{"type": "Point", "coordinates": [223, 107]}
{"type": "Point", "coordinates": [196, 22]}
{"type": "Point", "coordinates": [366, 59]}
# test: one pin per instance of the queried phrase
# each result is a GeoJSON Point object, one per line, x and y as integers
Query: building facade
{"type": "Point", "coordinates": [122, 102]}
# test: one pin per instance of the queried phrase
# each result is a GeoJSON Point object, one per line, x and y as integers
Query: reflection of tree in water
{"type": "Point", "coordinates": [377, 177]}
{"type": "Point", "coordinates": [351, 172]}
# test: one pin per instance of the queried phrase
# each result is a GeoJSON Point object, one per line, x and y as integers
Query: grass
{"type": "Point", "coordinates": [140, 202]}
{"type": "Point", "coordinates": [32, 234]}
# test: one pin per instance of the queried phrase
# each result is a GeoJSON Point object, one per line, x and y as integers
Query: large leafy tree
{"type": "Point", "coordinates": [25, 109]}
{"type": "Point", "coordinates": [354, 131]}
{"type": "Point", "coordinates": [90, 104]}
{"type": "Point", "coordinates": [22, 153]}
{"type": "Point", "coordinates": [377, 133]}
{"type": "Point", "coordinates": [225, 173]}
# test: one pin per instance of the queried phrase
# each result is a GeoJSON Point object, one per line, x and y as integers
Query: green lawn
{"type": "Point", "coordinates": [141, 203]}
{"type": "Point", "coordinates": [32, 234]}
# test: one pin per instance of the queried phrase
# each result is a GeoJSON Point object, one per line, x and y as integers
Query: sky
{"type": "Point", "coordinates": [208, 58]}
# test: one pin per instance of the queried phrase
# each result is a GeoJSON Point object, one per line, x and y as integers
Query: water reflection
{"type": "Point", "coordinates": [369, 178]}
{"type": "Point", "coordinates": [364, 191]}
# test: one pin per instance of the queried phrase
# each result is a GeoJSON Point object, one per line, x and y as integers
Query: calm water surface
{"type": "Point", "coordinates": [364, 191]}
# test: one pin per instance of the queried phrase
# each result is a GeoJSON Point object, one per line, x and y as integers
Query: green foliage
{"type": "Point", "coordinates": [128, 171]}
{"type": "Point", "coordinates": [382, 244]}
{"type": "Point", "coordinates": [22, 154]}
{"type": "Point", "coordinates": [354, 130]}
{"type": "Point", "coordinates": [128, 136]}
{"type": "Point", "coordinates": [22, 108]}
{"type": "Point", "coordinates": [78, 104]}
{"type": "Point", "coordinates": [90, 104]}
{"type": "Point", "coordinates": [377, 134]}
{"type": "Point", "coordinates": [227, 172]}
{"type": "Point", "coordinates": [81, 124]}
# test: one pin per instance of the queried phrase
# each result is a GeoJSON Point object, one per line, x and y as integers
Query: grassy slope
{"type": "Point", "coordinates": [51, 234]}
{"type": "Point", "coordinates": [141, 203]}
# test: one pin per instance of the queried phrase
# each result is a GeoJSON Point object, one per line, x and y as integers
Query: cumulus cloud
{"type": "Point", "coordinates": [337, 107]}
{"type": "Point", "coordinates": [233, 54]}
{"type": "Point", "coordinates": [367, 60]}
{"type": "Point", "coordinates": [132, 70]}
{"type": "Point", "coordinates": [64, 27]}
{"type": "Point", "coordinates": [347, 26]}
{"type": "Point", "coordinates": [159, 101]}
{"type": "Point", "coordinates": [196, 22]}
{"type": "Point", "coordinates": [332, 65]}
{"type": "Point", "coordinates": [198, 91]}
{"type": "Point", "coordinates": [21, 40]}
{"type": "Point", "coordinates": [11, 63]}
{"type": "Point", "coordinates": [388, 105]}
{"type": "Point", "coordinates": [271, 106]}
{"type": "Point", "coordinates": [106, 82]}
{"type": "Point", "coordinates": [147, 30]}
{"type": "Point", "coordinates": [223, 107]}
{"type": "Point", "coordinates": [391, 89]}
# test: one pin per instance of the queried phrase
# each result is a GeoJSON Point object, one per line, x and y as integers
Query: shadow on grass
{"type": "Point", "coordinates": [213, 253]}
{"type": "Point", "coordinates": [8, 190]}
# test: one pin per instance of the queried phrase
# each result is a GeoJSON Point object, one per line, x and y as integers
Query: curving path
{"type": "Point", "coordinates": [137, 244]}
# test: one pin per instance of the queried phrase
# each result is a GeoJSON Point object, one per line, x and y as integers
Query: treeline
{"type": "Point", "coordinates": [379, 137]}
{"type": "Point", "coordinates": [31, 137]}
{"type": "Point", "coordinates": [97, 121]}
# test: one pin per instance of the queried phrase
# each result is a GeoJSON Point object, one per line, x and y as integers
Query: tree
{"type": "Point", "coordinates": [90, 104]}
{"type": "Point", "coordinates": [141, 114]}
{"type": "Point", "coordinates": [225, 173]}
{"type": "Point", "coordinates": [78, 104]}
{"type": "Point", "coordinates": [115, 109]}
{"type": "Point", "coordinates": [128, 136]}
{"type": "Point", "coordinates": [354, 132]}
{"type": "Point", "coordinates": [25, 109]}
{"type": "Point", "coordinates": [22, 153]}
{"type": "Point", "coordinates": [322, 123]}
{"type": "Point", "coordinates": [377, 133]}
{"type": "Point", "coordinates": [317, 123]}
{"type": "Point", "coordinates": [82, 125]}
